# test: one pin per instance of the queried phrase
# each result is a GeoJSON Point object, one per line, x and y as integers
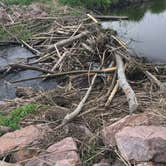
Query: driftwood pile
{"type": "Point", "coordinates": [99, 81]}
{"type": "Point", "coordinates": [74, 47]}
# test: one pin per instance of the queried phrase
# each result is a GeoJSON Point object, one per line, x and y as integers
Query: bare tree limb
{"type": "Point", "coordinates": [131, 97]}
{"type": "Point", "coordinates": [72, 115]}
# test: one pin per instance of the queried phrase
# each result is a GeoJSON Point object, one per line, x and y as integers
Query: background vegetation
{"type": "Point", "coordinates": [86, 3]}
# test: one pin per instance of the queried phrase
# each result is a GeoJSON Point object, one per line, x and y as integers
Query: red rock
{"type": "Point", "coordinates": [108, 133]}
{"type": "Point", "coordinates": [142, 143]}
{"type": "Point", "coordinates": [2, 163]}
{"type": "Point", "coordinates": [66, 144]}
{"type": "Point", "coordinates": [22, 138]}
{"type": "Point", "coordinates": [59, 154]}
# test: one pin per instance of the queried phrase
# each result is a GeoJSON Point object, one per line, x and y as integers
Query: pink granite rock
{"type": "Point", "coordinates": [59, 154]}
{"type": "Point", "coordinates": [142, 143]}
{"type": "Point", "coordinates": [22, 138]}
{"type": "Point", "coordinates": [108, 133]}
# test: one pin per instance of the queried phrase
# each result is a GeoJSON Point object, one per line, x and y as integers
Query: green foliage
{"type": "Point", "coordinates": [90, 3]}
{"type": "Point", "coordinates": [22, 2]}
{"type": "Point", "coordinates": [13, 119]}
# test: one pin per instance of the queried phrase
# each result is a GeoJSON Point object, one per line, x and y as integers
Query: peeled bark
{"type": "Point", "coordinates": [131, 97]}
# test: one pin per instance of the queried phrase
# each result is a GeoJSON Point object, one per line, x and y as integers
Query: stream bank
{"type": "Point", "coordinates": [145, 29]}
{"type": "Point", "coordinates": [90, 66]}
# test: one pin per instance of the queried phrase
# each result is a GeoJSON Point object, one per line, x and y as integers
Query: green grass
{"type": "Point", "coordinates": [13, 119]}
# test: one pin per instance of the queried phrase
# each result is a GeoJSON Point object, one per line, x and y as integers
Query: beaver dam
{"type": "Point", "coordinates": [80, 76]}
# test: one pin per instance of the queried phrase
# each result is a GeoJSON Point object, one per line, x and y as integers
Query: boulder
{"type": "Point", "coordinates": [22, 138]}
{"type": "Point", "coordinates": [58, 154]}
{"type": "Point", "coordinates": [142, 143]}
{"type": "Point", "coordinates": [108, 133]}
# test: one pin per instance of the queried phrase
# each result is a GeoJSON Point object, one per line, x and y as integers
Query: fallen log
{"type": "Point", "coordinates": [114, 18]}
{"type": "Point", "coordinates": [131, 97]}
{"type": "Point", "coordinates": [67, 41]}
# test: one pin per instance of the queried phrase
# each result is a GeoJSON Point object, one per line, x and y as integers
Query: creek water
{"type": "Point", "coordinates": [145, 31]}
{"type": "Point", "coordinates": [15, 55]}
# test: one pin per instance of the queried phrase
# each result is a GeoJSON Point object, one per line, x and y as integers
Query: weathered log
{"type": "Point", "coordinates": [114, 18]}
{"type": "Point", "coordinates": [67, 41]}
{"type": "Point", "coordinates": [131, 97]}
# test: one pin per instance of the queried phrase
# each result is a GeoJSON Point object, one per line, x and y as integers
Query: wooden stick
{"type": "Point", "coordinates": [115, 89]}
{"type": "Point", "coordinates": [131, 97]}
{"type": "Point", "coordinates": [68, 73]}
{"type": "Point", "coordinates": [155, 80]}
{"type": "Point", "coordinates": [91, 17]}
{"type": "Point", "coordinates": [72, 115]}
{"type": "Point", "coordinates": [59, 61]}
{"type": "Point", "coordinates": [30, 48]}
{"type": "Point", "coordinates": [23, 66]}
{"type": "Point", "coordinates": [67, 41]}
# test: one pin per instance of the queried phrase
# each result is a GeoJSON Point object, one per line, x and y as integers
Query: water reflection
{"type": "Point", "coordinates": [146, 29]}
{"type": "Point", "coordinates": [136, 12]}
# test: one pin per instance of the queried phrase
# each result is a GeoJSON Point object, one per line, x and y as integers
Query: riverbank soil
{"type": "Point", "coordinates": [101, 93]}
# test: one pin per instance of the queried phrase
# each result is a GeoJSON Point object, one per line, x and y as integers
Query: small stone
{"type": "Point", "coordinates": [142, 143]}
{"type": "Point", "coordinates": [108, 133]}
{"type": "Point", "coordinates": [22, 138]}
{"type": "Point", "coordinates": [59, 154]}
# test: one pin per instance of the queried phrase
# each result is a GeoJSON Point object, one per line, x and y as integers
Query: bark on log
{"type": "Point", "coordinates": [67, 41]}
{"type": "Point", "coordinates": [131, 97]}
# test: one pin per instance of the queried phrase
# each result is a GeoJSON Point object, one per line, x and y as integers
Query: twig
{"type": "Point", "coordinates": [115, 89]}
